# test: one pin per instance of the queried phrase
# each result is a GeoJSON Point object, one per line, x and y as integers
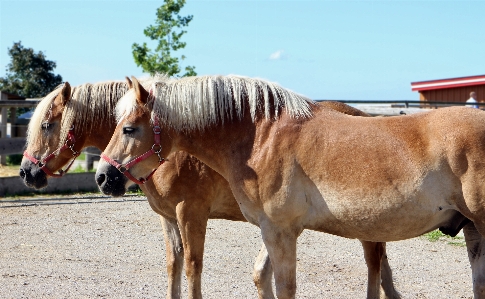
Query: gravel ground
{"type": "Point", "coordinates": [93, 246]}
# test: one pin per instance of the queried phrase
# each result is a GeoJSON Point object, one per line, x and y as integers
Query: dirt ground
{"type": "Point", "coordinates": [93, 246]}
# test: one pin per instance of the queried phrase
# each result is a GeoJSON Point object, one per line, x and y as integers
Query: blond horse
{"type": "Point", "coordinates": [184, 211]}
{"type": "Point", "coordinates": [294, 165]}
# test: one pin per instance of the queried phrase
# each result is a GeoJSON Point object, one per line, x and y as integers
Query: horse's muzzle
{"type": "Point", "coordinates": [33, 176]}
{"type": "Point", "coordinates": [111, 182]}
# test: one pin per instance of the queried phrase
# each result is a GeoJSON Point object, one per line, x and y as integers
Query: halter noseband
{"type": "Point", "coordinates": [69, 144]}
{"type": "Point", "coordinates": [123, 168]}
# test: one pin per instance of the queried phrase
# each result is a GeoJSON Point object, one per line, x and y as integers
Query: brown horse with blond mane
{"type": "Point", "coordinates": [294, 165]}
{"type": "Point", "coordinates": [184, 211]}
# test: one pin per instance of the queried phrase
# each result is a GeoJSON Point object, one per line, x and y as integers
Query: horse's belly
{"type": "Point", "coordinates": [403, 207]}
{"type": "Point", "coordinates": [391, 220]}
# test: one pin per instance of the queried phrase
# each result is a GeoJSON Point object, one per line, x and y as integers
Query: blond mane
{"type": "Point", "coordinates": [197, 102]}
{"type": "Point", "coordinates": [41, 114]}
{"type": "Point", "coordinates": [90, 105]}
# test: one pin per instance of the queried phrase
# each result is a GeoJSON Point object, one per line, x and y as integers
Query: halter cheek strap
{"type": "Point", "coordinates": [155, 150]}
{"type": "Point", "coordinates": [69, 144]}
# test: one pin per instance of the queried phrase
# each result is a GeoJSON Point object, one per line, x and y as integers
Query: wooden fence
{"type": "Point", "coordinates": [11, 146]}
{"type": "Point", "coordinates": [16, 142]}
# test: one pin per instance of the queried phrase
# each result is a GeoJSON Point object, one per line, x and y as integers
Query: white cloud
{"type": "Point", "coordinates": [280, 54]}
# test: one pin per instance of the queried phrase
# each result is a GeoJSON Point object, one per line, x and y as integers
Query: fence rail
{"type": "Point", "coordinates": [18, 103]}
{"type": "Point", "coordinates": [11, 146]}
{"type": "Point", "coordinates": [407, 104]}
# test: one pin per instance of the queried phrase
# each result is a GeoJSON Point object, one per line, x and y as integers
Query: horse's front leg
{"type": "Point", "coordinates": [373, 252]}
{"type": "Point", "coordinates": [387, 282]}
{"type": "Point", "coordinates": [263, 274]}
{"type": "Point", "coordinates": [475, 245]}
{"type": "Point", "coordinates": [192, 221]}
{"type": "Point", "coordinates": [175, 256]}
{"type": "Point", "coordinates": [281, 245]}
{"type": "Point", "coordinates": [379, 273]}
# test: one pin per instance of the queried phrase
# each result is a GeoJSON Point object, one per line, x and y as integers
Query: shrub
{"type": "Point", "coordinates": [14, 159]}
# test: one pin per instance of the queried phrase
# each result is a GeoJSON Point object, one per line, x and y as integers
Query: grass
{"type": "Point", "coordinates": [436, 235]}
{"type": "Point", "coordinates": [9, 170]}
{"type": "Point", "coordinates": [80, 169]}
{"type": "Point", "coordinates": [55, 194]}
{"type": "Point", "coordinates": [13, 170]}
{"type": "Point", "coordinates": [135, 190]}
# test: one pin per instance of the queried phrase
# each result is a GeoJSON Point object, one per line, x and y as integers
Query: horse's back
{"type": "Point", "coordinates": [417, 138]}
{"type": "Point", "coordinates": [343, 108]}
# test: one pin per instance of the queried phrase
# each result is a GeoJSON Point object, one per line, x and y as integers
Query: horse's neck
{"type": "Point", "coordinates": [100, 134]}
{"type": "Point", "coordinates": [98, 102]}
{"type": "Point", "coordinates": [221, 147]}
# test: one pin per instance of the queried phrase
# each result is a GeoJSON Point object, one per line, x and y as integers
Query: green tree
{"type": "Point", "coordinates": [168, 31]}
{"type": "Point", "coordinates": [29, 74]}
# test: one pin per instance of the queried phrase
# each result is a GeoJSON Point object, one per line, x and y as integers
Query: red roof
{"type": "Point", "coordinates": [448, 83]}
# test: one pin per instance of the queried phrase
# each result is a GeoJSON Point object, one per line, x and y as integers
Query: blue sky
{"type": "Point", "coordinates": [340, 50]}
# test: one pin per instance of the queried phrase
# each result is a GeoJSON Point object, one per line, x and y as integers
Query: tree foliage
{"type": "Point", "coordinates": [168, 32]}
{"type": "Point", "coordinates": [29, 74]}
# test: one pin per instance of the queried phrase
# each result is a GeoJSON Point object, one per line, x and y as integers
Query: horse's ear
{"type": "Point", "coordinates": [65, 94]}
{"type": "Point", "coordinates": [128, 81]}
{"type": "Point", "coordinates": [140, 91]}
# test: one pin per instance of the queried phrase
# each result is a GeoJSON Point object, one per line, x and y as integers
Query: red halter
{"type": "Point", "coordinates": [123, 168]}
{"type": "Point", "coordinates": [68, 145]}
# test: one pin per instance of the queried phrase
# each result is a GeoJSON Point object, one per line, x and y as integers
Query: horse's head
{"type": "Point", "coordinates": [137, 146]}
{"type": "Point", "coordinates": [44, 154]}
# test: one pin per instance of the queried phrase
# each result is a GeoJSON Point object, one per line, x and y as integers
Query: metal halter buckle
{"type": "Point", "coordinates": [123, 168]}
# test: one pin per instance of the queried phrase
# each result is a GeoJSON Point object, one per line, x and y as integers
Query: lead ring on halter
{"type": "Point", "coordinates": [123, 168]}
{"type": "Point", "coordinates": [69, 144]}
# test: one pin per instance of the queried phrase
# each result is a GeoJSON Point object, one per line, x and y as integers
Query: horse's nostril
{"type": "Point", "coordinates": [100, 178]}
{"type": "Point", "coordinates": [22, 173]}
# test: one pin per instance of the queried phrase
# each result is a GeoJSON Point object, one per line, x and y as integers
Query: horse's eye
{"type": "Point", "coordinates": [128, 130]}
{"type": "Point", "coordinates": [46, 126]}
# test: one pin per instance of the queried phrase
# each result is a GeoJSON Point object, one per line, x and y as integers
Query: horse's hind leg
{"type": "Point", "coordinates": [379, 273]}
{"type": "Point", "coordinates": [263, 274]}
{"type": "Point", "coordinates": [175, 257]}
{"type": "Point", "coordinates": [475, 245]}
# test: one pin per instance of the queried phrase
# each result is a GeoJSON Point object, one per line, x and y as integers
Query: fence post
{"type": "Point", "coordinates": [13, 122]}
{"type": "Point", "coordinates": [3, 126]}
{"type": "Point", "coordinates": [92, 154]}
{"type": "Point", "coordinates": [3, 122]}
{"type": "Point", "coordinates": [3, 132]}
